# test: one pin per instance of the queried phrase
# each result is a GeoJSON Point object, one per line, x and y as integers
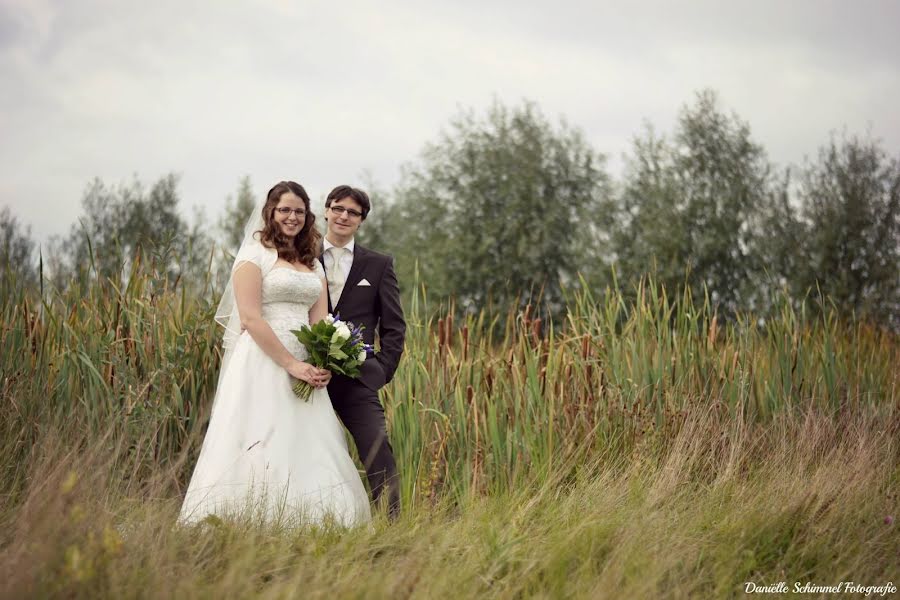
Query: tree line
{"type": "Point", "coordinates": [508, 206]}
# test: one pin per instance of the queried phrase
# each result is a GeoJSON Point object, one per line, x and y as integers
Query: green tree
{"type": "Point", "coordinates": [16, 251]}
{"type": "Point", "coordinates": [502, 206]}
{"type": "Point", "coordinates": [776, 231]}
{"type": "Point", "coordinates": [688, 207]}
{"type": "Point", "coordinates": [381, 226]}
{"type": "Point", "coordinates": [120, 224]}
{"type": "Point", "coordinates": [237, 211]}
{"type": "Point", "coordinates": [231, 230]}
{"type": "Point", "coordinates": [851, 208]}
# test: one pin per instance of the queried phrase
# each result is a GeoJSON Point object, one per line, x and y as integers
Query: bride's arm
{"type": "Point", "coordinates": [319, 310]}
{"type": "Point", "coordinates": [248, 297]}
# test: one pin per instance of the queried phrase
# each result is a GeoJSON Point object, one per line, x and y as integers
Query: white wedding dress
{"type": "Point", "coordinates": [265, 449]}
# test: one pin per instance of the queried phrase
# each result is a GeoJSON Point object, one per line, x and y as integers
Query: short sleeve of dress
{"type": "Point", "coordinates": [319, 269]}
{"type": "Point", "coordinates": [254, 252]}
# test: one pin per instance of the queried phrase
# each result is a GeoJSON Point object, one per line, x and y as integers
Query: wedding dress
{"type": "Point", "coordinates": [265, 449]}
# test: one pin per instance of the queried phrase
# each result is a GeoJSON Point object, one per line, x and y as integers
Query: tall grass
{"type": "Point", "coordinates": [641, 445]}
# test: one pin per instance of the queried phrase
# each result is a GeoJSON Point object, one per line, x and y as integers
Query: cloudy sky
{"type": "Point", "coordinates": [322, 91]}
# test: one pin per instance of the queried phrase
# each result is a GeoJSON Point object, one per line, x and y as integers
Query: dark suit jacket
{"type": "Point", "coordinates": [375, 306]}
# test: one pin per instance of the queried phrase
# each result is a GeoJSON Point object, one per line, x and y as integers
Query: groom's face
{"type": "Point", "coordinates": [344, 217]}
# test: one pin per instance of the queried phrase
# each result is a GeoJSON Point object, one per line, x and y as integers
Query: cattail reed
{"type": "Point", "coordinates": [518, 389]}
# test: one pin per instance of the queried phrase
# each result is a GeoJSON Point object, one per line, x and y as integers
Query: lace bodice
{"type": "Point", "coordinates": [287, 296]}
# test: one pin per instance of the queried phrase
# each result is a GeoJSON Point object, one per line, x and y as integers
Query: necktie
{"type": "Point", "coordinates": [336, 275]}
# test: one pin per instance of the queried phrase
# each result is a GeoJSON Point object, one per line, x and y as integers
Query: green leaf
{"type": "Point", "coordinates": [336, 352]}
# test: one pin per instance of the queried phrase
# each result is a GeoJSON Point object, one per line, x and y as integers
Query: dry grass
{"type": "Point", "coordinates": [799, 499]}
{"type": "Point", "coordinates": [643, 450]}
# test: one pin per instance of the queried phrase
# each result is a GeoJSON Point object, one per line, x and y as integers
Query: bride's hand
{"type": "Point", "coordinates": [318, 378]}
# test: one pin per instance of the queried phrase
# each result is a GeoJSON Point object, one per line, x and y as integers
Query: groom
{"type": "Point", "coordinates": [363, 289]}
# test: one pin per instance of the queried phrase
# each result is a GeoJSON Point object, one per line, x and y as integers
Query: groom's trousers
{"type": "Point", "coordinates": [363, 415]}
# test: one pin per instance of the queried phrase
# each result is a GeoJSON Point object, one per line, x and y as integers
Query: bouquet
{"type": "Point", "coordinates": [334, 345]}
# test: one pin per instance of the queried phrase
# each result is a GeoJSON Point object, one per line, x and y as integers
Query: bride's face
{"type": "Point", "coordinates": [290, 214]}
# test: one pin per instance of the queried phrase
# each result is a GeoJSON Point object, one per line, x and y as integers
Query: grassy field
{"type": "Point", "coordinates": [638, 449]}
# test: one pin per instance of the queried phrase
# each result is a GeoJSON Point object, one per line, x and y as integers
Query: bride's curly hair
{"type": "Point", "coordinates": [303, 247]}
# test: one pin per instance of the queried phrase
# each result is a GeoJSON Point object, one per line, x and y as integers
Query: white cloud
{"type": "Point", "coordinates": [320, 91]}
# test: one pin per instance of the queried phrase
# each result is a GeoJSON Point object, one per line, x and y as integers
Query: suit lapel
{"type": "Point", "coordinates": [354, 276]}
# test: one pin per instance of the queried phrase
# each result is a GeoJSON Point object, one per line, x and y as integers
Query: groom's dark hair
{"type": "Point", "coordinates": [345, 191]}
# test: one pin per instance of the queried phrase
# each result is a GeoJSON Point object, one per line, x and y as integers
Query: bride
{"type": "Point", "coordinates": [267, 451]}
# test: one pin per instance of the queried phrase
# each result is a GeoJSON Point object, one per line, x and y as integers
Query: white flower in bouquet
{"type": "Point", "coordinates": [341, 332]}
{"type": "Point", "coordinates": [329, 319]}
{"type": "Point", "coordinates": [362, 356]}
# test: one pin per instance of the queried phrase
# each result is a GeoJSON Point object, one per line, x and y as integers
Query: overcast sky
{"type": "Point", "coordinates": [320, 92]}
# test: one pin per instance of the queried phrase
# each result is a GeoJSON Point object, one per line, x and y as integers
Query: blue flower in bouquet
{"type": "Point", "coordinates": [334, 345]}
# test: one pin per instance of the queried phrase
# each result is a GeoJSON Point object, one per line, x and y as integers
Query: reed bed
{"type": "Point", "coordinates": [641, 445]}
